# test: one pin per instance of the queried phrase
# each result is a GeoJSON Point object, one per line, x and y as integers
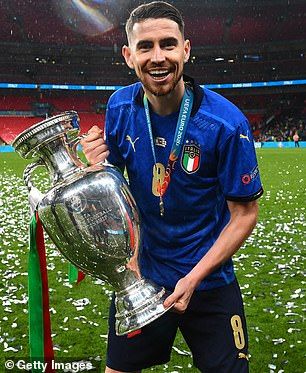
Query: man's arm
{"type": "Point", "coordinates": [243, 220]}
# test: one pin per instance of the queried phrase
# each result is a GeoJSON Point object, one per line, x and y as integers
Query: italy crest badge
{"type": "Point", "coordinates": [191, 158]}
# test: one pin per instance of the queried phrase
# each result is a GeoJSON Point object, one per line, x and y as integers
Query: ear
{"type": "Point", "coordinates": [126, 53]}
{"type": "Point", "coordinates": [187, 49]}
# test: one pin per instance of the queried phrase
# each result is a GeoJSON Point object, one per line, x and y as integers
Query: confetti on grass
{"type": "Point", "coordinates": [270, 268]}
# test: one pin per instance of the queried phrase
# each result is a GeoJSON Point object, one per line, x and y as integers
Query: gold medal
{"type": "Point", "coordinates": [157, 182]}
{"type": "Point", "coordinates": [158, 178]}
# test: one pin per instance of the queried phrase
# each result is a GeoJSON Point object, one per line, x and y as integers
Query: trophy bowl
{"type": "Point", "coordinates": [91, 216]}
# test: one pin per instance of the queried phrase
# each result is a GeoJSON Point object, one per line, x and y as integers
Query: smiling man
{"type": "Point", "coordinates": [157, 52]}
{"type": "Point", "coordinates": [195, 179]}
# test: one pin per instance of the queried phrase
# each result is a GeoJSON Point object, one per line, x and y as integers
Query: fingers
{"type": "Point", "coordinates": [169, 301]}
{"type": "Point", "coordinates": [179, 308]}
{"type": "Point", "coordinates": [95, 129]}
{"type": "Point", "coordinates": [97, 154]}
{"type": "Point", "coordinates": [180, 298]}
{"type": "Point", "coordinates": [179, 303]}
{"type": "Point", "coordinates": [94, 133]}
{"type": "Point", "coordinates": [94, 146]}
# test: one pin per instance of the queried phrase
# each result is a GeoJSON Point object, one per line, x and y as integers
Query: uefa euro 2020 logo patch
{"type": "Point", "coordinates": [191, 158]}
{"type": "Point", "coordinates": [248, 178]}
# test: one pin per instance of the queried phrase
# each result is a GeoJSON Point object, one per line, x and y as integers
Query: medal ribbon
{"type": "Point", "coordinates": [75, 275]}
{"type": "Point", "coordinates": [41, 348]}
{"type": "Point", "coordinates": [181, 126]}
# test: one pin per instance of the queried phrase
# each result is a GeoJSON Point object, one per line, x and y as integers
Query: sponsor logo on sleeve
{"type": "Point", "coordinates": [248, 178]}
{"type": "Point", "coordinates": [246, 137]}
{"type": "Point", "coordinates": [129, 139]}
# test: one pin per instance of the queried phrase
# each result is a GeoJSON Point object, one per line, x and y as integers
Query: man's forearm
{"type": "Point", "coordinates": [240, 226]}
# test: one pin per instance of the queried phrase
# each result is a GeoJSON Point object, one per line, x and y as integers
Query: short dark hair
{"type": "Point", "coordinates": [155, 9]}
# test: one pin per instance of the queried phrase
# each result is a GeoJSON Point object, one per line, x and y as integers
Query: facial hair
{"type": "Point", "coordinates": [161, 93]}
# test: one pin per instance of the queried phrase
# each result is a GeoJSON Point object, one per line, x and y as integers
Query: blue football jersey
{"type": "Point", "coordinates": [217, 163]}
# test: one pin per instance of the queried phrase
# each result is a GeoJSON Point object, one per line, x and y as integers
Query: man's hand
{"type": "Point", "coordinates": [181, 295]}
{"type": "Point", "coordinates": [94, 146]}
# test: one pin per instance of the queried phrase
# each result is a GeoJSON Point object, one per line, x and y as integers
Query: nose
{"type": "Point", "coordinates": [157, 55]}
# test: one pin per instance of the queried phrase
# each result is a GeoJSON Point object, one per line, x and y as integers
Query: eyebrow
{"type": "Point", "coordinates": [145, 43]}
{"type": "Point", "coordinates": [171, 41]}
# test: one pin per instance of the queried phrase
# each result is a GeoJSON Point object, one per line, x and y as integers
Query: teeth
{"type": "Point", "coordinates": [159, 72]}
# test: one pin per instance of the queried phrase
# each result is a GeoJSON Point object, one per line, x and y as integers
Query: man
{"type": "Point", "coordinates": [296, 138]}
{"type": "Point", "coordinates": [193, 172]}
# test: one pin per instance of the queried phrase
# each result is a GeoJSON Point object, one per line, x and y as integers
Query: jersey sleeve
{"type": "Point", "coordinates": [238, 171]}
{"type": "Point", "coordinates": [111, 137]}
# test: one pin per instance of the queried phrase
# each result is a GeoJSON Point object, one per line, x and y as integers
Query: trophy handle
{"type": "Point", "coordinates": [35, 196]}
{"type": "Point", "coordinates": [74, 143]}
{"type": "Point", "coordinates": [73, 146]}
{"type": "Point", "coordinates": [28, 172]}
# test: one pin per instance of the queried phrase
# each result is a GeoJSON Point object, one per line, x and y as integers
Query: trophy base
{"type": "Point", "coordinates": [138, 305]}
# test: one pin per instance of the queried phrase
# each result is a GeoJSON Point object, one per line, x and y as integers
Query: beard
{"type": "Point", "coordinates": [163, 90]}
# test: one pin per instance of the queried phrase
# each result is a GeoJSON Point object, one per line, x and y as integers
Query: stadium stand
{"type": "Point", "coordinates": [249, 42]}
{"type": "Point", "coordinates": [18, 112]}
{"type": "Point", "coordinates": [12, 126]}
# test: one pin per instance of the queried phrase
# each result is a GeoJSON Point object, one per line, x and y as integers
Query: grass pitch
{"type": "Point", "coordinates": [269, 268]}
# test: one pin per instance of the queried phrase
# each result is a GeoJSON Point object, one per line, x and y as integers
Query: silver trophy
{"type": "Point", "coordinates": [91, 217]}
